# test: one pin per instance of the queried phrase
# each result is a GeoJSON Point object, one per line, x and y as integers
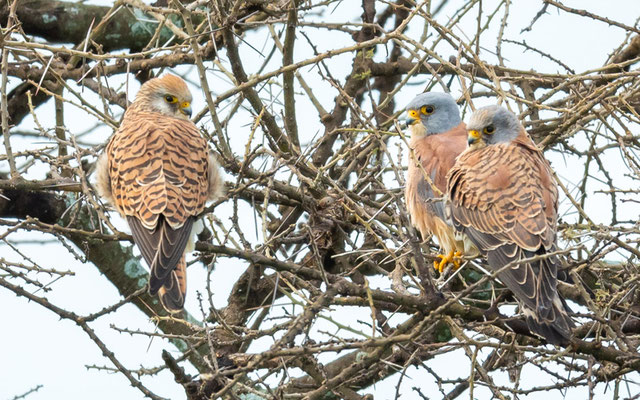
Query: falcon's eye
{"type": "Point", "coordinates": [427, 110]}
{"type": "Point", "coordinates": [170, 99]}
{"type": "Point", "coordinates": [489, 129]}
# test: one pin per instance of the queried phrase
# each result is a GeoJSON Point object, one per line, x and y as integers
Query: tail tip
{"type": "Point", "coordinates": [554, 333]}
{"type": "Point", "coordinates": [172, 299]}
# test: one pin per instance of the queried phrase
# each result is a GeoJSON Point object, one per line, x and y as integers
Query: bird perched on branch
{"type": "Point", "coordinates": [438, 136]}
{"type": "Point", "coordinates": [158, 172]}
{"type": "Point", "coordinates": [503, 198]}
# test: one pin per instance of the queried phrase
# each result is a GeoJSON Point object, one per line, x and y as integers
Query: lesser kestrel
{"type": "Point", "coordinates": [158, 172]}
{"type": "Point", "coordinates": [438, 136]}
{"type": "Point", "coordinates": [503, 198]}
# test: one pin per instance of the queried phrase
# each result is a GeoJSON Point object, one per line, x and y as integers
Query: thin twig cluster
{"type": "Point", "coordinates": [338, 296]}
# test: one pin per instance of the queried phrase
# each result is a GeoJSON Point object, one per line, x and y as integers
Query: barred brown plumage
{"type": "Point", "coordinates": [503, 197]}
{"type": "Point", "coordinates": [158, 172]}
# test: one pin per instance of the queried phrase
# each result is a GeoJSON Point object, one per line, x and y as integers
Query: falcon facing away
{"type": "Point", "coordinates": [438, 136]}
{"type": "Point", "coordinates": [502, 196]}
{"type": "Point", "coordinates": [158, 173]}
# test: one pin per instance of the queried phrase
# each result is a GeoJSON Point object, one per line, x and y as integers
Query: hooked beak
{"type": "Point", "coordinates": [185, 108]}
{"type": "Point", "coordinates": [474, 137]}
{"type": "Point", "coordinates": [412, 117]}
{"type": "Point", "coordinates": [410, 121]}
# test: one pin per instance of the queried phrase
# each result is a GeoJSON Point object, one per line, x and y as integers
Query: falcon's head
{"type": "Point", "coordinates": [432, 113]}
{"type": "Point", "coordinates": [491, 125]}
{"type": "Point", "coordinates": [168, 95]}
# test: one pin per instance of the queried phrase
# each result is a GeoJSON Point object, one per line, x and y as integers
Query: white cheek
{"type": "Point", "coordinates": [163, 107]}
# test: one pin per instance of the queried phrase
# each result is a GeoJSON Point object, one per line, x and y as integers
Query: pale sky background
{"type": "Point", "coordinates": [38, 349]}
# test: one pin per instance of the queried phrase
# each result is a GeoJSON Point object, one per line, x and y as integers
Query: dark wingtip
{"type": "Point", "coordinates": [171, 298]}
{"type": "Point", "coordinates": [154, 285]}
{"type": "Point", "coordinates": [171, 295]}
{"type": "Point", "coordinates": [557, 333]}
{"type": "Point", "coordinates": [152, 291]}
{"type": "Point", "coordinates": [173, 304]}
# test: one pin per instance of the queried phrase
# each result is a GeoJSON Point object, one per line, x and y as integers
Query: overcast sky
{"type": "Point", "coordinates": [38, 349]}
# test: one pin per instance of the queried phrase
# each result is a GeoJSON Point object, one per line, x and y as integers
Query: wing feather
{"type": "Point", "coordinates": [158, 165]}
{"type": "Point", "coordinates": [497, 191]}
{"type": "Point", "coordinates": [503, 197]}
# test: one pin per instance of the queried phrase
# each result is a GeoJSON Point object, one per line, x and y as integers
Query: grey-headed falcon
{"type": "Point", "coordinates": [438, 136]}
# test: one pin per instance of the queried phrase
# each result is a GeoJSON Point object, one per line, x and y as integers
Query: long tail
{"type": "Point", "coordinates": [172, 293]}
{"type": "Point", "coordinates": [163, 249]}
{"type": "Point", "coordinates": [555, 326]}
{"type": "Point", "coordinates": [534, 284]}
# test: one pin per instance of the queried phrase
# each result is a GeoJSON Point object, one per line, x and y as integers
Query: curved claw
{"type": "Point", "coordinates": [452, 257]}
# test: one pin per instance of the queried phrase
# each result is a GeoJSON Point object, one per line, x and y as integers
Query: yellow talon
{"type": "Point", "coordinates": [444, 260]}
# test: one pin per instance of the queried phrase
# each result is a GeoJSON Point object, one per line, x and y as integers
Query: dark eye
{"type": "Point", "coordinates": [170, 99]}
{"type": "Point", "coordinates": [427, 110]}
{"type": "Point", "coordinates": [489, 130]}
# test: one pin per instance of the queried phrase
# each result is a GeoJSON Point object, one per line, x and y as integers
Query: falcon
{"type": "Point", "coordinates": [438, 136]}
{"type": "Point", "coordinates": [503, 198]}
{"type": "Point", "coordinates": [158, 172]}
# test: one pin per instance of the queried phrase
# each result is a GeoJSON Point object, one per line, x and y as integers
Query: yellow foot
{"type": "Point", "coordinates": [444, 260]}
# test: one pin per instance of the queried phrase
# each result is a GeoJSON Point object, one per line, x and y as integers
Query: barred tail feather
{"type": "Point", "coordinates": [173, 292]}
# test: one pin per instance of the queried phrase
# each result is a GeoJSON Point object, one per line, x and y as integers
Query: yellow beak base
{"type": "Point", "coordinates": [186, 108]}
{"type": "Point", "coordinates": [474, 136]}
{"type": "Point", "coordinates": [413, 116]}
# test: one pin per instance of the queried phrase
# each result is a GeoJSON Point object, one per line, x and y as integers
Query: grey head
{"type": "Point", "coordinates": [491, 125]}
{"type": "Point", "coordinates": [438, 112]}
